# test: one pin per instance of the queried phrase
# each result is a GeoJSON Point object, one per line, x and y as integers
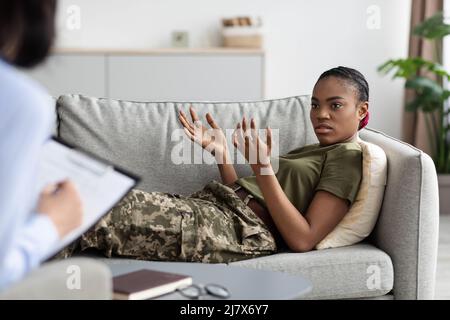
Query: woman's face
{"type": "Point", "coordinates": [336, 110]}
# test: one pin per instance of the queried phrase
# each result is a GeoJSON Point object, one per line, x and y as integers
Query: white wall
{"type": "Point", "coordinates": [303, 38]}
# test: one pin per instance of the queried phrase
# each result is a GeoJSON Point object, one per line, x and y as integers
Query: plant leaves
{"type": "Point", "coordinates": [423, 83]}
{"type": "Point", "coordinates": [429, 94]}
{"type": "Point", "coordinates": [413, 105]}
{"type": "Point", "coordinates": [433, 27]}
{"type": "Point", "coordinates": [407, 68]}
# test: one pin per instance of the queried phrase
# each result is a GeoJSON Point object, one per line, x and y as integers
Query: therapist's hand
{"type": "Point", "coordinates": [62, 204]}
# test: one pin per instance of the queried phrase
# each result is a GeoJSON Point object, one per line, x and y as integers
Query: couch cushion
{"type": "Point", "coordinates": [359, 222]}
{"type": "Point", "coordinates": [360, 270]}
{"type": "Point", "coordinates": [144, 136]}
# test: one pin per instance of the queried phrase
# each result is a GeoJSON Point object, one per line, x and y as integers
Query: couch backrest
{"type": "Point", "coordinates": [146, 137]}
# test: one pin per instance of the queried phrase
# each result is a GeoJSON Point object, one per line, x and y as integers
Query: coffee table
{"type": "Point", "coordinates": [242, 283]}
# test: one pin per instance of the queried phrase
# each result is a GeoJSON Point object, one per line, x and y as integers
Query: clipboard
{"type": "Point", "coordinates": [100, 184]}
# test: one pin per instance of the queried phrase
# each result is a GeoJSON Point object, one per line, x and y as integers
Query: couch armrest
{"type": "Point", "coordinates": [59, 280]}
{"type": "Point", "coordinates": [408, 225]}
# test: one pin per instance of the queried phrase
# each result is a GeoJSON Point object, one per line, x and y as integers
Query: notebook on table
{"type": "Point", "coordinates": [100, 184]}
{"type": "Point", "coordinates": [146, 284]}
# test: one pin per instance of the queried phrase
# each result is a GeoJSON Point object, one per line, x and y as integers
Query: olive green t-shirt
{"type": "Point", "coordinates": [335, 168]}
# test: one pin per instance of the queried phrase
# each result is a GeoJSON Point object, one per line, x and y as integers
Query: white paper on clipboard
{"type": "Point", "coordinates": [99, 184]}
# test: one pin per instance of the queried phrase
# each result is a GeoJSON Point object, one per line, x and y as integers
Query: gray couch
{"type": "Point", "coordinates": [398, 260]}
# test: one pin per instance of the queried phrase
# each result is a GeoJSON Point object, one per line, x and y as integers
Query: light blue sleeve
{"type": "Point", "coordinates": [24, 126]}
{"type": "Point", "coordinates": [31, 243]}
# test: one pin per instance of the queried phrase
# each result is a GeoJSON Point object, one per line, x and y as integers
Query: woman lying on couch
{"type": "Point", "coordinates": [296, 207]}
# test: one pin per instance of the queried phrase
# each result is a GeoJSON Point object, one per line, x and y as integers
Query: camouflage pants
{"type": "Point", "coordinates": [212, 225]}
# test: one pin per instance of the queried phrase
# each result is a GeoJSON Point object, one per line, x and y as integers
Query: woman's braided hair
{"type": "Point", "coordinates": [357, 80]}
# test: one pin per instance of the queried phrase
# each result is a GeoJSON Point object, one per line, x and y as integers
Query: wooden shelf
{"type": "Point", "coordinates": [160, 51]}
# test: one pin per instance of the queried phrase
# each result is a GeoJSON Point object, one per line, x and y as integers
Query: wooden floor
{"type": "Point", "coordinates": [443, 265]}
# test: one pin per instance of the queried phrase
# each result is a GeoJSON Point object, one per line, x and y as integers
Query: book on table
{"type": "Point", "coordinates": [146, 284]}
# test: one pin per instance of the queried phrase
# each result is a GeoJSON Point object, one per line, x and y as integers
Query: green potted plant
{"type": "Point", "coordinates": [427, 80]}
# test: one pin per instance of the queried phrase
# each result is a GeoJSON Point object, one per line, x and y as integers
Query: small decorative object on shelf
{"type": "Point", "coordinates": [180, 39]}
{"type": "Point", "coordinates": [242, 32]}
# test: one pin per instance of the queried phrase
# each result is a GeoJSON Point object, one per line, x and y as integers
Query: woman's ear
{"type": "Point", "coordinates": [363, 108]}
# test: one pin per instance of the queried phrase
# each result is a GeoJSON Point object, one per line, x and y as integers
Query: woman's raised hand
{"type": "Point", "coordinates": [247, 141]}
{"type": "Point", "coordinates": [212, 140]}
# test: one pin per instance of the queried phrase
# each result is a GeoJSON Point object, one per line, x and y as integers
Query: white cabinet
{"type": "Point", "coordinates": [158, 75]}
{"type": "Point", "coordinates": [72, 73]}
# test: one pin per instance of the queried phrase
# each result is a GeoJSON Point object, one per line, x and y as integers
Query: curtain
{"type": "Point", "coordinates": [414, 123]}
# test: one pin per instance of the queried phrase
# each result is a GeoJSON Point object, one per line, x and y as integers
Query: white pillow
{"type": "Point", "coordinates": [360, 220]}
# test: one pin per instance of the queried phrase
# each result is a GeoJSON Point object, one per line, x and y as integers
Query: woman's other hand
{"type": "Point", "coordinates": [62, 204]}
{"type": "Point", "coordinates": [247, 141]}
{"type": "Point", "coordinates": [212, 140]}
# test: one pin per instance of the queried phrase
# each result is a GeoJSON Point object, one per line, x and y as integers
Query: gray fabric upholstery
{"type": "Point", "coordinates": [407, 228]}
{"type": "Point", "coordinates": [336, 273]}
{"type": "Point", "coordinates": [50, 282]}
{"type": "Point", "coordinates": [54, 128]}
{"type": "Point", "coordinates": [385, 297]}
{"type": "Point", "coordinates": [138, 136]}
